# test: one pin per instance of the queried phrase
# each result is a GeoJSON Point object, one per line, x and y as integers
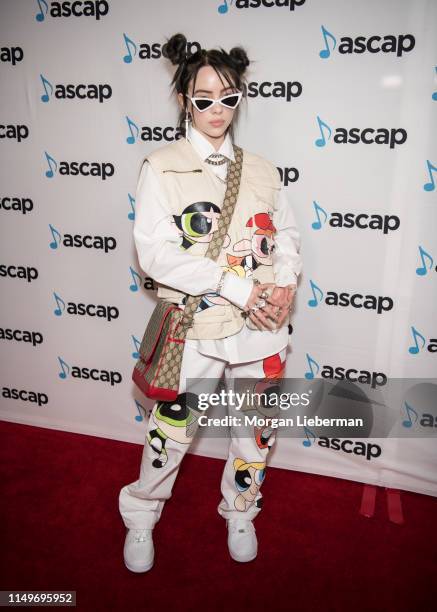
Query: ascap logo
{"type": "Point", "coordinates": [150, 50]}
{"type": "Point", "coordinates": [382, 223]}
{"type": "Point", "coordinates": [148, 284]}
{"type": "Point", "coordinates": [14, 132]}
{"type": "Point", "coordinates": [83, 373]}
{"type": "Point", "coordinates": [103, 170]}
{"type": "Point", "coordinates": [288, 175]}
{"type": "Point", "coordinates": [386, 136]}
{"type": "Point", "coordinates": [149, 134]}
{"type": "Point", "coordinates": [420, 343]}
{"type": "Point", "coordinates": [100, 311]}
{"type": "Point", "coordinates": [104, 243]}
{"type": "Point", "coordinates": [414, 418]}
{"type": "Point", "coordinates": [23, 205]}
{"type": "Point", "coordinates": [278, 89]}
{"type": "Point", "coordinates": [225, 5]}
{"type": "Point", "coordinates": [23, 272]}
{"type": "Point", "coordinates": [11, 55]}
{"type": "Point", "coordinates": [88, 8]}
{"type": "Point", "coordinates": [100, 92]}
{"type": "Point", "coordinates": [374, 379]}
{"type": "Point", "coordinates": [399, 44]}
{"type": "Point", "coordinates": [25, 396]}
{"type": "Point", "coordinates": [426, 262]}
{"type": "Point", "coordinates": [19, 335]}
{"type": "Point", "coordinates": [364, 449]}
{"type": "Point", "coordinates": [356, 300]}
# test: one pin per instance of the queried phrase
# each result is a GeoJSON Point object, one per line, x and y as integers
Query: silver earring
{"type": "Point", "coordinates": [187, 121]}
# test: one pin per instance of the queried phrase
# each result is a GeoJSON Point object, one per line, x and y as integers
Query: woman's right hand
{"type": "Point", "coordinates": [262, 317]}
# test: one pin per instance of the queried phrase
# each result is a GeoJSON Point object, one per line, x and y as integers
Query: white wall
{"type": "Point", "coordinates": [381, 90]}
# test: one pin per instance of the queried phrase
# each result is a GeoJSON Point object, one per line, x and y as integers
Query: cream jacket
{"type": "Point", "coordinates": [195, 195]}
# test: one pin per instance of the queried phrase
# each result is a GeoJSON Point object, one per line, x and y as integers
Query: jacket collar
{"type": "Point", "coordinates": [204, 148]}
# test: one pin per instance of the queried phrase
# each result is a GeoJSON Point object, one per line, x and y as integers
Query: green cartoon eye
{"type": "Point", "coordinates": [196, 224]}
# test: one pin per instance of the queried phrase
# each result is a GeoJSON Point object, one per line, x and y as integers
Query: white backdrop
{"type": "Point", "coordinates": [319, 70]}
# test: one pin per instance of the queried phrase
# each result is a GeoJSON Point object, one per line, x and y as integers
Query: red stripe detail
{"type": "Point", "coordinates": [368, 500]}
{"type": "Point", "coordinates": [394, 506]}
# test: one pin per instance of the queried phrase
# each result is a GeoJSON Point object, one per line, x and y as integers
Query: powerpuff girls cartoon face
{"type": "Point", "coordinates": [176, 420]}
{"type": "Point", "coordinates": [248, 479]}
{"type": "Point", "coordinates": [257, 251]}
{"type": "Point", "coordinates": [197, 223]}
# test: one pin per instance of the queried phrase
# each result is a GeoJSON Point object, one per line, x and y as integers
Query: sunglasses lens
{"type": "Point", "coordinates": [202, 105]}
{"type": "Point", "coordinates": [231, 101]}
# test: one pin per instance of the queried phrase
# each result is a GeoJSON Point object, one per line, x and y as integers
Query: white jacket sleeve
{"type": "Point", "coordinates": [157, 242]}
{"type": "Point", "coordinates": [287, 261]}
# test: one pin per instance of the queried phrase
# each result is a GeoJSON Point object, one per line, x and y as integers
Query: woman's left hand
{"type": "Point", "coordinates": [277, 307]}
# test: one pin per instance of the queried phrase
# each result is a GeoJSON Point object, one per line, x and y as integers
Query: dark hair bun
{"type": "Point", "coordinates": [175, 48]}
{"type": "Point", "coordinates": [240, 59]}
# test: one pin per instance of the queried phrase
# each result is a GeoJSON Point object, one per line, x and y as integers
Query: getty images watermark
{"type": "Point", "coordinates": [296, 407]}
{"type": "Point", "coordinates": [236, 401]}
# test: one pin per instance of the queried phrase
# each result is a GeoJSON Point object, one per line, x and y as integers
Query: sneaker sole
{"type": "Point", "coordinates": [137, 570]}
{"type": "Point", "coordinates": [243, 559]}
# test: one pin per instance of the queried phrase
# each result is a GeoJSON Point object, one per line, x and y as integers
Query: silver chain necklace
{"type": "Point", "coordinates": [216, 159]}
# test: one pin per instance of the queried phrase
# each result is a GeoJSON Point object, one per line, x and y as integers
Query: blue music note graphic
{"type": "Point", "coordinates": [431, 185]}
{"type": "Point", "coordinates": [139, 417]}
{"type": "Point", "coordinates": [223, 8]}
{"type": "Point", "coordinates": [131, 215]}
{"type": "Point", "coordinates": [136, 354]}
{"type": "Point", "coordinates": [307, 443]}
{"type": "Point", "coordinates": [318, 224]}
{"type": "Point", "coordinates": [131, 139]}
{"type": "Point", "coordinates": [410, 411]}
{"type": "Point", "coordinates": [134, 286]}
{"type": "Point", "coordinates": [54, 244]}
{"type": "Point", "coordinates": [415, 349]}
{"type": "Point", "coordinates": [434, 95]}
{"type": "Point", "coordinates": [40, 15]}
{"type": "Point", "coordinates": [423, 269]}
{"type": "Point", "coordinates": [60, 302]}
{"type": "Point", "coordinates": [46, 97]}
{"type": "Point", "coordinates": [320, 142]}
{"type": "Point", "coordinates": [325, 53]}
{"type": "Point", "coordinates": [310, 375]}
{"type": "Point", "coordinates": [50, 173]}
{"type": "Point", "coordinates": [128, 57]}
{"type": "Point", "coordinates": [313, 302]}
{"type": "Point", "coordinates": [64, 373]}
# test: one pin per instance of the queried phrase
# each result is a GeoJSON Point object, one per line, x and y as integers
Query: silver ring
{"type": "Point", "coordinates": [261, 303]}
{"type": "Point", "coordinates": [264, 295]}
{"type": "Point", "coordinates": [254, 308]}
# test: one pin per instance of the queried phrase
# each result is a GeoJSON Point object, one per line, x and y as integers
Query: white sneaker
{"type": "Point", "coordinates": [242, 542]}
{"type": "Point", "coordinates": [138, 550]}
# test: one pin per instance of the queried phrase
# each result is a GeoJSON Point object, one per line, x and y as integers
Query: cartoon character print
{"type": "Point", "coordinates": [196, 224]}
{"type": "Point", "coordinates": [257, 251]}
{"type": "Point", "coordinates": [274, 370]}
{"type": "Point", "coordinates": [177, 421]}
{"type": "Point", "coordinates": [249, 476]}
{"type": "Point", "coordinates": [248, 479]}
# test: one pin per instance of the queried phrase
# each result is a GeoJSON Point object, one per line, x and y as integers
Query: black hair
{"type": "Point", "coordinates": [229, 66]}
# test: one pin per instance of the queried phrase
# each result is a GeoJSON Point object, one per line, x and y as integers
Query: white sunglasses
{"type": "Point", "coordinates": [229, 101]}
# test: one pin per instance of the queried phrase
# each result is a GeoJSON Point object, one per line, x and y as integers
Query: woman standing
{"type": "Point", "coordinates": [240, 327]}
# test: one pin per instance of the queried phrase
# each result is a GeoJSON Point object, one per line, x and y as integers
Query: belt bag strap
{"type": "Point", "coordinates": [218, 237]}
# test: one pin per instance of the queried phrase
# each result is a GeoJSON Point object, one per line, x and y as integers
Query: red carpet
{"type": "Point", "coordinates": [61, 530]}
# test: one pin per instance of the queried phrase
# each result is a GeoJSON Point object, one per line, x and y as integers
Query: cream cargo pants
{"type": "Point", "coordinates": [172, 427]}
